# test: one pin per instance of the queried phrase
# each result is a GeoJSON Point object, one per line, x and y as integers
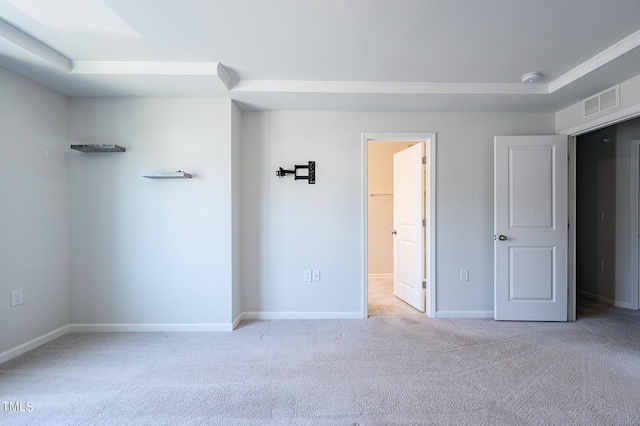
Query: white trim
{"type": "Point", "coordinates": [384, 87]}
{"type": "Point", "coordinates": [635, 229]}
{"type": "Point", "coordinates": [430, 138]}
{"type": "Point", "coordinates": [604, 121]}
{"type": "Point", "coordinates": [34, 47]}
{"type": "Point", "coordinates": [605, 300]}
{"type": "Point", "coordinates": [364, 232]}
{"type": "Point", "coordinates": [571, 246]}
{"type": "Point", "coordinates": [236, 322]}
{"type": "Point", "coordinates": [145, 68]}
{"type": "Point", "coordinates": [300, 315]}
{"type": "Point", "coordinates": [624, 305]}
{"type": "Point", "coordinates": [120, 327]}
{"type": "Point", "coordinates": [595, 297]}
{"type": "Point", "coordinates": [33, 343]}
{"type": "Point", "coordinates": [224, 77]}
{"type": "Point", "coordinates": [464, 314]}
{"type": "Point", "coordinates": [609, 54]}
{"type": "Point", "coordinates": [431, 265]}
{"type": "Point", "coordinates": [380, 275]}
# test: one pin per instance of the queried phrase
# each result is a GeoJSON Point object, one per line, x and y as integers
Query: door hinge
{"type": "Point", "coordinates": [424, 222]}
{"type": "Point", "coordinates": [424, 160]}
{"type": "Point", "coordinates": [424, 284]}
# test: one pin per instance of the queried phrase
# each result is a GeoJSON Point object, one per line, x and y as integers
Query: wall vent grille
{"type": "Point", "coordinates": [602, 101]}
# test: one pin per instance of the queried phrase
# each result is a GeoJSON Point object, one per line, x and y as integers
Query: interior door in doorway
{"type": "Point", "coordinates": [408, 215]}
{"type": "Point", "coordinates": [531, 228]}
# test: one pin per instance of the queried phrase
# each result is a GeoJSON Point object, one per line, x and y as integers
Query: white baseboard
{"type": "Point", "coordinates": [625, 305]}
{"type": "Point", "coordinates": [33, 343]}
{"type": "Point", "coordinates": [464, 314]}
{"type": "Point", "coordinates": [385, 276]}
{"type": "Point", "coordinates": [299, 315]}
{"type": "Point", "coordinates": [90, 328]}
{"type": "Point", "coordinates": [236, 322]}
{"type": "Point", "coordinates": [595, 297]}
{"type": "Point", "coordinates": [605, 300]}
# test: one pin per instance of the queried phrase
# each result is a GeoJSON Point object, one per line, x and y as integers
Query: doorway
{"type": "Point", "coordinates": [378, 199]}
{"type": "Point", "coordinates": [605, 235]}
{"type": "Point", "coordinates": [382, 195]}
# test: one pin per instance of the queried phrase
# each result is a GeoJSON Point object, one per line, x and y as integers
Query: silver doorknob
{"type": "Point", "coordinates": [502, 238]}
{"type": "Point", "coordinates": [394, 232]}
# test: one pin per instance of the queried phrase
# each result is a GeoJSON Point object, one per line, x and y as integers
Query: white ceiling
{"type": "Point", "coordinates": [393, 55]}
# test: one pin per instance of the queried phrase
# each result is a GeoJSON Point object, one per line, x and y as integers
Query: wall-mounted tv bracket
{"type": "Point", "coordinates": [311, 174]}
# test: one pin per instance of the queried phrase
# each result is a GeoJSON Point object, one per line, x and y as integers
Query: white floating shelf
{"type": "Point", "coordinates": [168, 175]}
{"type": "Point", "coordinates": [99, 148]}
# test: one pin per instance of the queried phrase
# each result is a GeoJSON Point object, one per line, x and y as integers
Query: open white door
{"type": "Point", "coordinates": [408, 215]}
{"type": "Point", "coordinates": [531, 235]}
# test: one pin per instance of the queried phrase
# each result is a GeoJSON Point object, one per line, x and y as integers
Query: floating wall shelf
{"type": "Point", "coordinates": [99, 148]}
{"type": "Point", "coordinates": [168, 175]}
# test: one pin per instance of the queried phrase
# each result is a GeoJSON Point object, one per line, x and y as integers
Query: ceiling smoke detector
{"type": "Point", "coordinates": [531, 77]}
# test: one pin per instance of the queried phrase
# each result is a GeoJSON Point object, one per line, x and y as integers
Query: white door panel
{"type": "Point", "coordinates": [408, 213]}
{"type": "Point", "coordinates": [531, 246]}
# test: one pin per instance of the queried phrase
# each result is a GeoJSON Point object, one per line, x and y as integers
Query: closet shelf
{"type": "Point", "coordinates": [99, 148]}
{"type": "Point", "coordinates": [168, 175]}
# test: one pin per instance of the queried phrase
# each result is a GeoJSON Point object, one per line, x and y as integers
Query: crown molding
{"type": "Point", "coordinates": [224, 77]}
{"type": "Point", "coordinates": [378, 87]}
{"type": "Point", "coordinates": [609, 54]}
{"type": "Point", "coordinates": [145, 68]}
{"type": "Point", "coordinates": [33, 46]}
{"type": "Point", "coordinates": [59, 61]}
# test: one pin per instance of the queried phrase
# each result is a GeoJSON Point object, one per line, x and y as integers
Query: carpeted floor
{"type": "Point", "coordinates": [386, 370]}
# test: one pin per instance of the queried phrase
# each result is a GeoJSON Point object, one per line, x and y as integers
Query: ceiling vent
{"type": "Point", "coordinates": [603, 101]}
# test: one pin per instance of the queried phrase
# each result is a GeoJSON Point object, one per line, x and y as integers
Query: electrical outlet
{"type": "Point", "coordinates": [17, 297]}
{"type": "Point", "coordinates": [307, 275]}
{"type": "Point", "coordinates": [316, 275]}
{"type": "Point", "coordinates": [464, 275]}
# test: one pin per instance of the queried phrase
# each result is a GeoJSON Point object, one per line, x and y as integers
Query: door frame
{"type": "Point", "coordinates": [635, 224]}
{"type": "Point", "coordinates": [573, 133]}
{"type": "Point", "coordinates": [430, 151]}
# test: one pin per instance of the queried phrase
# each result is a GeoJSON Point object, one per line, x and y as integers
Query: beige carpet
{"type": "Point", "coordinates": [386, 370]}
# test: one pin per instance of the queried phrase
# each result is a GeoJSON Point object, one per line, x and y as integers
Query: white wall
{"type": "Point", "coordinates": [571, 117]}
{"type": "Point", "coordinates": [152, 251]}
{"type": "Point", "coordinates": [34, 230]}
{"type": "Point", "coordinates": [160, 252]}
{"type": "Point", "coordinates": [289, 226]}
